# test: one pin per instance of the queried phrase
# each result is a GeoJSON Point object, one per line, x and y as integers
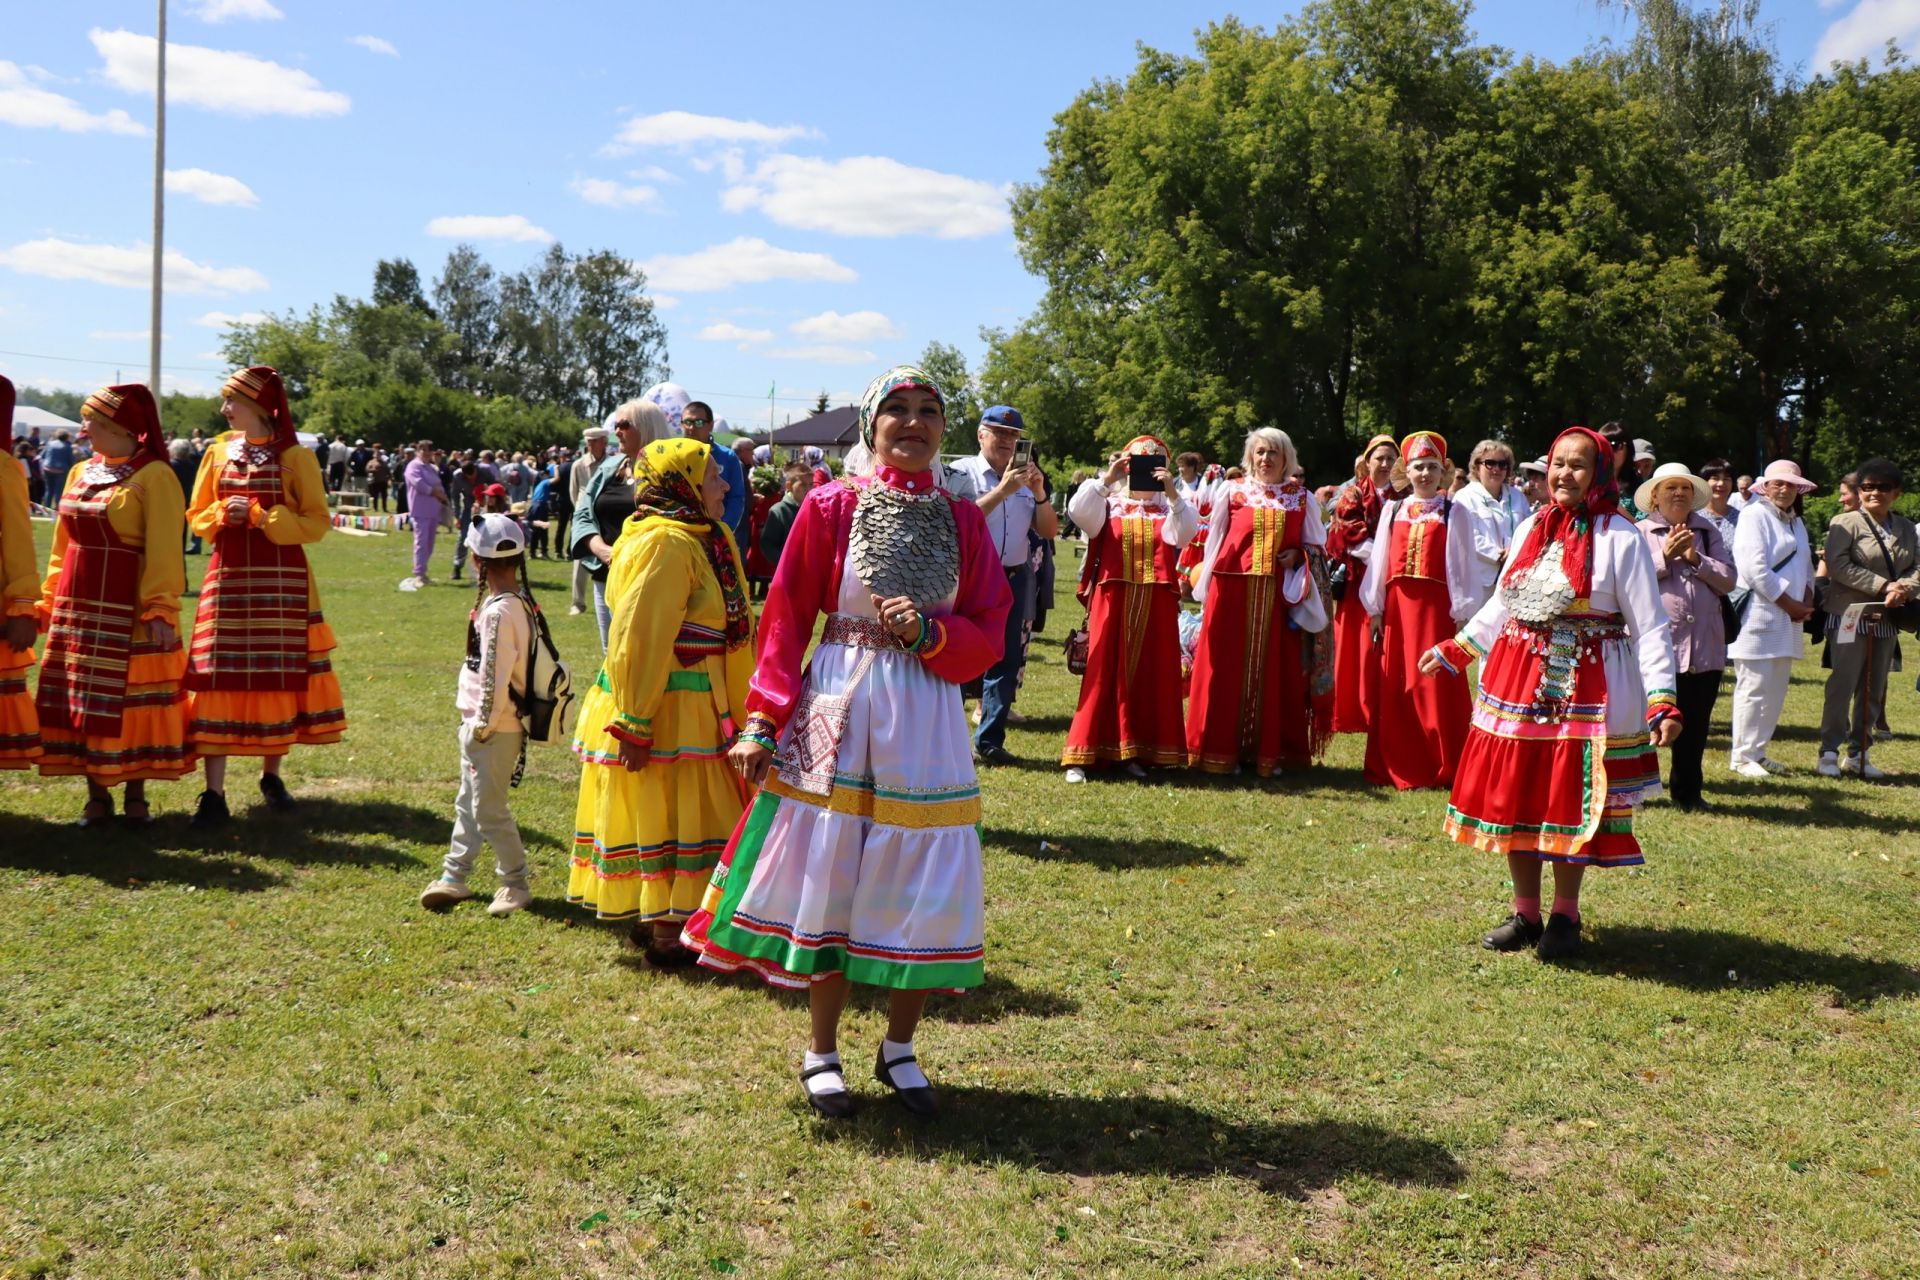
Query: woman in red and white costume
{"type": "Point", "coordinates": [1418, 576]}
{"type": "Point", "coordinates": [1350, 526]}
{"type": "Point", "coordinates": [1254, 702]}
{"type": "Point", "coordinates": [1576, 692]}
{"type": "Point", "coordinates": [1130, 712]}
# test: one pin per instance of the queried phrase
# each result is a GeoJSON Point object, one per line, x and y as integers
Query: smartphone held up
{"type": "Point", "coordinates": [1141, 469]}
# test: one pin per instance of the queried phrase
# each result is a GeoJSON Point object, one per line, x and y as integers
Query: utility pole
{"type": "Point", "coordinates": [159, 199]}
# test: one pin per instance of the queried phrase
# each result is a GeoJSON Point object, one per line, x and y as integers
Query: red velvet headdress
{"type": "Point", "coordinates": [130, 406]}
{"type": "Point", "coordinates": [261, 384]}
{"type": "Point", "coordinates": [1574, 529]}
{"type": "Point", "coordinates": [6, 414]}
{"type": "Point", "coordinates": [1423, 444]}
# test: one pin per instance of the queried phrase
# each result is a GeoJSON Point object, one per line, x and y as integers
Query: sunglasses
{"type": "Point", "coordinates": [1878, 488]}
{"type": "Point", "coordinates": [1497, 464]}
{"type": "Point", "coordinates": [696, 422]}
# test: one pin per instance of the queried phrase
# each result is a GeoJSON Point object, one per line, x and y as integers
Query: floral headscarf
{"type": "Point", "coordinates": [666, 486]}
{"type": "Point", "coordinates": [1573, 529]}
{"type": "Point", "coordinates": [901, 375]}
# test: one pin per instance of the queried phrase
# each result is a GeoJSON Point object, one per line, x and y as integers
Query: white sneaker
{"type": "Point", "coordinates": [1771, 765]}
{"type": "Point", "coordinates": [1829, 766]}
{"type": "Point", "coordinates": [575, 611]}
{"type": "Point", "coordinates": [977, 713]}
{"type": "Point", "coordinates": [1076, 775]}
{"type": "Point", "coordinates": [1751, 769]}
{"type": "Point", "coordinates": [1859, 767]}
{"type": "Point", "coordinates": [508, 899]}
{"type": "Point", "coordinates": [444, 893]}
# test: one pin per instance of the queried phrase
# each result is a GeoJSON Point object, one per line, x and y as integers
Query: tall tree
{"type": "Point", "coordinates": [467, 296]}
{"type": "Point", "coordinates": [396, 283]}
{"type": "Point", "coordinates": [947, 366]}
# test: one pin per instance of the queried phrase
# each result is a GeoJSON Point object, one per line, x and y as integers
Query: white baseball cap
{"type": "Point", "coordinates": [495, 537]}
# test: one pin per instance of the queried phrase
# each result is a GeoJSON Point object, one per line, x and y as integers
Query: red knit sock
{"type": "Point", "coordinates": [1568, 907]}
{"type": "Point", "coordinates": [1528, 907]}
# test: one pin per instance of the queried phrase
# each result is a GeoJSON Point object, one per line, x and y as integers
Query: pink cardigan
{"type": "Point", "coordinates": [969, 638]}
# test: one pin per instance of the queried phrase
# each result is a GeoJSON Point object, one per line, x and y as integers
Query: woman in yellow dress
{"type": "Point", "coordinates": [657, 800]}
{"type": "Point", "coordinates": [19, 593]}
{"type": "Point", "coordinates": [110, 703]}
{"type": "Point", "coordinates": [259, 668]}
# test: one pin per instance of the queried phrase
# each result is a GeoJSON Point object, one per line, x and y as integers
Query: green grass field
{"type": "Point", "coordinates": [1228, 1030]}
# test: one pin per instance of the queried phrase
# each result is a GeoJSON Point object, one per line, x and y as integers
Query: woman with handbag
{"type": "Point", "coordinates": [1356, 512]}
{"type": "Point", "coordinates": [1130, 707]}
{"type": "Point", "coordinates": [1775, 565]}
{"type": "Point", "coordinates": [859, 860]}
{"type": "Point", "coordinates": [1419, 585]}
{"type": "Point", "coordinates": [657, 799]}
{"type": "Point", "coordinates": [1576, 694]}
{"type": "Point", "coordinates": [1872, 558]}
{"type": "Point", "coordinates": [1262, 689]}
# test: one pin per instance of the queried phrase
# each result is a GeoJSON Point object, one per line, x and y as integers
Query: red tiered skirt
{"type": "Point", "coordinates": [1250, 683]}
{"type": "Point", "coordinates": [1130, 695]}
{"type": "Point", "coordinates": [1418, 723]}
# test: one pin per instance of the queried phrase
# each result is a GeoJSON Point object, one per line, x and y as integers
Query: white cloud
{"type": "Point", "coordinates": [119, 335]}
{"type": "Point", "coordinates": [24, 104]}
{"type": "Point", "coordinates": [1864, 31]}
{"type": "Point", "coordinates": [663, 301]}
{"type": "Point", "coordinates": [210, 188]}
{"type": "Point", "coordinates": [685, 129]}
{"type": "Point", "coordinates": [480, 226]}
{"type": "Point", "coordinates": [653, 173]}
{"type": "Point", "coordinates": [858, 326]}
{"type": "Point", "coordinates": [374, 44]}
{"type": "Point", "coordinates": [227, 10]}
{"type": "Point", "coordinates": [870, 196]}
{"type": "Point", "coordinates": [236, 83]}
{"type": "Point", "coordinates": [727, 331]}
{"type": "Point", "coordinates": [604, 191]}
{"type": "Point", "coordinates": [222, 319]}
{"type": "Point", "coordinates": [126, 267]}
{"type": "Point", "coordinates": [747, 260]}
{"type": "Point", "coordinates": [825, 353]}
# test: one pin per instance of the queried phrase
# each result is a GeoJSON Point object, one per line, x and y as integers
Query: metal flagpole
{"type": "Point", "coordinates": [771, 388]}
{"type": "Point", "coordinates": [159, 198]}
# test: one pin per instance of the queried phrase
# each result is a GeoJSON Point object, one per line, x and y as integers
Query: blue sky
{"type": "Point", "coordinates": [816, 191]}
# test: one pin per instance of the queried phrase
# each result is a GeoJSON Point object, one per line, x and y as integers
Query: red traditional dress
{"type": "Point", "coordinates": [19, 594]}
{"type": "Point", "coordinates": [1576, 666]}
{"type": "Point", "coordinates": [1414, 576]}
{"type": "Point", "coordinates": [259, 668]}
{"type": "Point", "coordinates": [1255, 700]}
{"type": "Point", "coordinates": [1130, 695]}
{"type": "Point", "coordinates": [1350, 527]}
{"type": "Point", "coordinates": [110, 702]}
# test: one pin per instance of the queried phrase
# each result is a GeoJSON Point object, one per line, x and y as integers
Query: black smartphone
{"type": "Point", "coordinates": [1140, 469]}
{"type": "Point", "coordinates": [1022, 453]}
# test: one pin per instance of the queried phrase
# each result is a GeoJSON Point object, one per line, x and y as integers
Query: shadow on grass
{"type": "Point", "coordinates": [1096, 1136]}
{"type": "Point", "coordinates": [119, 857]}
{"type": "Point", "coordinates": [1109, 853]}
{"type": "Point", "coordinates": [1714, 960]}
{"type": "Point", "coordinates": [1049, 726]}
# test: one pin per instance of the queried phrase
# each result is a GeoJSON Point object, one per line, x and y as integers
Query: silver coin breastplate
{"type": "Point", "coordinates": [1542, 592]}
{"type": "Point", "coordinates": [905, 544]}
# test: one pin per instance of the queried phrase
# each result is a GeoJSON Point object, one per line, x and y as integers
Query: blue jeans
{"type": "Point", "coordinates": [602, 614]}
{"type": "Point", "coordinates": [997, 689]}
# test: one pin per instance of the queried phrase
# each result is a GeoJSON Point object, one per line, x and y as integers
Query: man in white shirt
{"type": "Point", "coordinates": [338, 454]}
{"type": "Point", "coordinates": [582, 471]}
{"type": "Point", "coordinates": [1010, 498]}
{"type": "Point", "coordinates": [1494, 509]}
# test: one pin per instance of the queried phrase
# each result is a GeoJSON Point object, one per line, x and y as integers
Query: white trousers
{"type": "Point", "coordinates": [1759, 695]}
{"type": "Point", "coordinates": [480, 812]}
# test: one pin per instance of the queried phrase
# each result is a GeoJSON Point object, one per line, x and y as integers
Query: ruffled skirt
{"type": "Point", "coordinates": [19, 720]}
{"type": "Point", "coordinates": [152, 744]}
{"type": "Point", "coordinates": [226, 722]}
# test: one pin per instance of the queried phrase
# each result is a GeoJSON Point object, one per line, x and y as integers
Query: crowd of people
{"type": "Point", "coordinates": [1527, 638]}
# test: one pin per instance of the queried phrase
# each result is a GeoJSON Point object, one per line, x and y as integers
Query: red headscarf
{"type": "Point", "coordinates": [130, 407]}
{"type": "Point", "coordinates": [1574, 529]}
{"type": "Point", "coordinates": [261, 384]}
{"type": "Point", "coordinates": [6, 414]}
{"type": "Point", "coordinates": [1356, 513]}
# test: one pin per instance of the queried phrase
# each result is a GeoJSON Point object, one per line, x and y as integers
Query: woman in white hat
{"type": "Point", "coordinates": [1775, 564]}
{"type": "Point", "coordinates": [1695, 571]}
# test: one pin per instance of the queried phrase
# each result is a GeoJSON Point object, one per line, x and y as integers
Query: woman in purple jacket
{"type": "Point", "coordinates": [1696, 572]}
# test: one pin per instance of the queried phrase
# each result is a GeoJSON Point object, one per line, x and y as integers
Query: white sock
{"type": "Point", "coordinates": [907, 1075]}
{"type": "Point", "coordinates": [827, 1081]}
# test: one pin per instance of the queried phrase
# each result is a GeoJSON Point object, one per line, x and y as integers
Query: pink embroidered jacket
{"type": "Point", "coordinates": [969, 637]}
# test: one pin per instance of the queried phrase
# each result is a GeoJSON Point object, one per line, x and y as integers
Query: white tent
{"type": "Point", "coordinates": [25, 419]}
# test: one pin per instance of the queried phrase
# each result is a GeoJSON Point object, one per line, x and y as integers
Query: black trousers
{"type": "Point", "coordinates": [1696, 692]}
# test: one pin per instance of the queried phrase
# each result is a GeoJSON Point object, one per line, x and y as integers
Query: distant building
{"type": "Point", "coordinates": [833, 433]}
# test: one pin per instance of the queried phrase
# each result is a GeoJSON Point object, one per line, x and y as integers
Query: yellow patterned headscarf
{"type": "Point", "coordinates": [666, 486]}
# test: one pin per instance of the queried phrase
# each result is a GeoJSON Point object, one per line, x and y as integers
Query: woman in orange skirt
{"type": "Point", "coordinates": [19, 593]}
{"type": "Point", "coordinates": [110, 703]}
{"type": "Point", "coordinates": [259, 669]}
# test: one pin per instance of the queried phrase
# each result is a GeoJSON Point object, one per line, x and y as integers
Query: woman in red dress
{"type": "Point", "coordinates": [1417, 570]}
{"type": "Point", "coordinates": [1356, 512]}
{"type": "Point", "coordinates": [1257, 700]}
{"type": "Point", "coordinates": [1129, 712]}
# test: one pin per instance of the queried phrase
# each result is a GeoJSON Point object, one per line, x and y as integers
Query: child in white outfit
{"type": "Point", "coordinates": [492, 684]}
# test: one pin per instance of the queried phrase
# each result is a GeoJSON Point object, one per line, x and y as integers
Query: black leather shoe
{"type": "Point", "coordinates": [836, 1104]}
{"type": "Point", "coordinates": [1561, 938]}
{"type": "Point", "coordinates": [919, 1100]}
{"type": "Point", "coordinates": [275, 792]}
{"type": "Point", "coordinates": [211, 813]}
{"type": "Point", "coordinates": [996, 756]}
{"type": "Point", "coordinates": [1516, 933]}
{"type": "Point", "coordinates": [1697, 805]}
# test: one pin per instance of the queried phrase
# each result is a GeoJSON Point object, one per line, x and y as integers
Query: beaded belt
{"type": "Point", "coordinates": [1561, 646]}
{"type": "Point", "coordinates": [858, 633]}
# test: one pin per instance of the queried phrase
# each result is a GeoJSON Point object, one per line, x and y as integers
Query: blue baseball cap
{"type": "Point", "coordinates": [1004, 416]}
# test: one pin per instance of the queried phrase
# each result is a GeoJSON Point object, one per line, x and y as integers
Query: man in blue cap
{"type": "Point", "coordinates": [1011, 499]}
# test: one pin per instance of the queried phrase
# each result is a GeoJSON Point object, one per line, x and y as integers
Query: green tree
{"type": "Point", "coordinates": [467, 298]}
{"type": "Point", "coordinates": [822, 404]}
{"type": "Point", "coordinates": [947, 366]}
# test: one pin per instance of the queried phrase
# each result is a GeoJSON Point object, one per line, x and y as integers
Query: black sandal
{"type": "Point", "coordinates": [138, 820]}
{"type": "Point", "coordinates": [89, 818]}
{"type": "Point", "coordinates": [919, 1100]}
{"type": "Point", "coordinates": [836, 1104]}
{"type": "Point", "coordinates": [672, 955]}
